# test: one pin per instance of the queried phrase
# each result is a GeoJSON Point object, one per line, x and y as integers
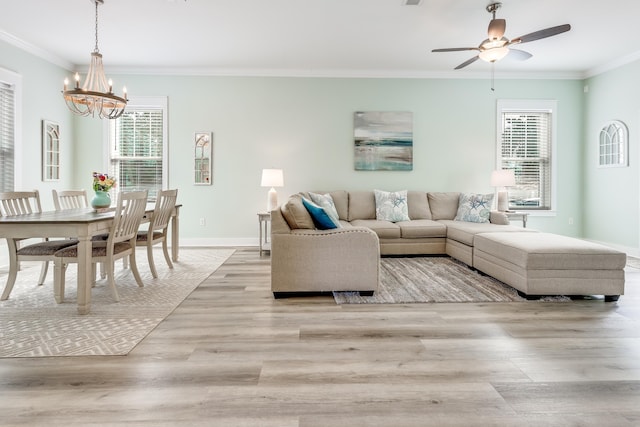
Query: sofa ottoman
{"type": "Point", "coordinates": [460, 236]}
{"type": "Point", "coordinates": [539, 264]}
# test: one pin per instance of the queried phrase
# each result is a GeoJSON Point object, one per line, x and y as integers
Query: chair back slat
{"type": "Point", "coordinates": [130, 209]}
{"type": "Point", "coordinates": [70, 199]}
{"type": "Point", "coordinates": [19, 203]}
{"type": "Point", "coordinates": [165, 203]}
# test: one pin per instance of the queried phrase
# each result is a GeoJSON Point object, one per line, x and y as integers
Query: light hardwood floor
{"type": "Point", "coordinates": [231, 355]}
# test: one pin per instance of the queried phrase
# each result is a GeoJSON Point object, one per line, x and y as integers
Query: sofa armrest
{"type": "Point", "coordinates": [343, 259]}
{"type": "Point", "coordinates": [498, 217]}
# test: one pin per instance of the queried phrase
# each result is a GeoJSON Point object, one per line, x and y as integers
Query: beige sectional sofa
{"type": "Point", "coordinates": [304, 259]}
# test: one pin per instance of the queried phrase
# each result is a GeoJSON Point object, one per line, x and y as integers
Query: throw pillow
{"type": "Point", "coordinates": [391, 205]}
{"type": "Point", "coordinates": [296, 214]}
{"type": "Point", "coordinates": [474, 207]}
{"type": "Point", "coordinates": [325, 201]}
{"type": "Point", "coordinates": [320, 218]}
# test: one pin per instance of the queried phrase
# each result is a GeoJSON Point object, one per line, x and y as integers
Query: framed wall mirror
{"type": "Point", "coordinates": [50, 151]}
{"type": "Point", "coordinates": [203, 158]}
{"type": "Point", "coordinates": [613, 145]}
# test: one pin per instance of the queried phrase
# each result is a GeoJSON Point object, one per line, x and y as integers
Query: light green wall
{"type": "Point", "coordinates": [611, 200]}
{"type": "Point", "coordinates": [305, 126]}
{"type": "Point", "coordinates": [41, 99]}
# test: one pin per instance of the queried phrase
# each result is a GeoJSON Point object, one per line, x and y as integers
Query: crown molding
{"type": "Point", "coordinates": [323, 73]}
{"type": "Point", "coordinates": [342, 73]}
{"type": "Point", "coordinates": [612, 65]}
{"type": "Point", "coordinates": [35, 50]}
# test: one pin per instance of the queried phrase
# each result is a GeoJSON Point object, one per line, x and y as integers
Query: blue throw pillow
{"type": "Point", "coordinates": [320, 218]}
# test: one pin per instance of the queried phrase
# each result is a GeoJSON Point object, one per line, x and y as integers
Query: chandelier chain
{"type": "Point", "coordinates": [96, 48]}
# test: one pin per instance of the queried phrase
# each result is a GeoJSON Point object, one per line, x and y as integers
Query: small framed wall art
{"type": "Point", "coordinates": [203, 158]}
{"type": "Point", "coordinates": [50, 151]}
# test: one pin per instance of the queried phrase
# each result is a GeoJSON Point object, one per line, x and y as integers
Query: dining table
{"type": "Point", "coordinates": [81, 224]}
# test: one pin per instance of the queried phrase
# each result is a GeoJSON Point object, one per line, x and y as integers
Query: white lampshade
{"type": "Point", "coordinates": [272, 178]}
{"type": "Point", "coordinates": [503, 178]}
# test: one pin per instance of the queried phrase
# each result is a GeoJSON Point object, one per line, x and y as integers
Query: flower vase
{"type": "Point", "coordinates": [101, 200]}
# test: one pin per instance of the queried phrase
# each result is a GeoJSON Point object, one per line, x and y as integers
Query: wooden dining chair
{"type": "Point", "coordinates": [158, 227]}
{"type": "Point", "coordinates": [76, 199]}
{"type": "Point", "coordinates": [21, 203]}
{"type": "Point", "coordinates": [130, 209]}
{"type": "Point", "coordinates": [70, 199]}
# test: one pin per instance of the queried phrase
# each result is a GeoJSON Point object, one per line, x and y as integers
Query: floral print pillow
{"type": "Point", "coordinates": [474, 207]}
{"type": "Point", "coordinates": [391, 205]}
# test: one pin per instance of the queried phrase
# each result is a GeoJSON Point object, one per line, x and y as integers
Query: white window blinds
{"type": "Point", "coordinates": [525, 148]}
{"type": "Point", "coordinates": [7, 136]}
{"type": "Point", "coordinates": [137, 150]}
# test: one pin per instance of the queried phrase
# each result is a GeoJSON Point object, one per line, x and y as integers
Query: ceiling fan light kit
{"type": "Point", "coordinates": [492, 51]}
{"type": "Point", "coordinates": [496, 46]}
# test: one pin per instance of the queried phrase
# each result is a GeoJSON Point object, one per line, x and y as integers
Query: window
{"type": "Point", "coordinates": [10, 84]}
{"type": "Point", "coordinates": [526, 146]}
{"type": "Point", "coordinates": [613, 145]}
{"type": "Point", "coordinates": [138, 146]}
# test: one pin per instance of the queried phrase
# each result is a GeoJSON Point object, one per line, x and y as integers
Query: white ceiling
{"type": "Point", "coordinates": [321, 37]}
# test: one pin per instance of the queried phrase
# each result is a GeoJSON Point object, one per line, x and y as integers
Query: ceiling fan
{"type": "Point", "coordinates": [497, 46]}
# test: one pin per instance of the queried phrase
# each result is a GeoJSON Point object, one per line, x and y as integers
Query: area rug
{"type": "Point", "coordinates": [33, 325]}
{"type": "Point", "coordinates": [433, 279]}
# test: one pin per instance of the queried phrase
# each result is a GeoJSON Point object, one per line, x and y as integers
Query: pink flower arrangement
{"type": "Point", "coordinates": [102, 182]}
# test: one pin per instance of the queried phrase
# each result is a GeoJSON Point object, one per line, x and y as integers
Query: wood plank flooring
{"type": "Point", "coordinates": [231, 355]}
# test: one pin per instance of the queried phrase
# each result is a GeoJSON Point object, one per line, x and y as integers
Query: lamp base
{"type": "Point", "coordinates": [503, 201]}
{"type": "Point", "coordinates": [272, 200]}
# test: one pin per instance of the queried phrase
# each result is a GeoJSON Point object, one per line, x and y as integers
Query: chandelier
{"type": "Point", "coordinates": [96, 94]}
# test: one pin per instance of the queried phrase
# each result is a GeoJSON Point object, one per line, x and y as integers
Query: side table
{"type": "Point", "coordinates": [264, 220]}
{"type": "Point", "coordinates": [518, 215]}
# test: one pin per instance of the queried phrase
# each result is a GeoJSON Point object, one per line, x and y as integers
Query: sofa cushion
{"type": "Point", "coordinates": [420, 228]}
{"type": "Point", "coordinates": [296, 215]}
{"type": "Point", "coordinates": [474, 207]}
{"type": "Point", "coordinates": [464, 232]}
{"type": "Point", "coordinates": [443, 205]}
{"type": "Point", "coordinates": [391, 205]}
{"type": "Point", "coordinates": [418, 205]}
{"type": "Point", "coordinates": [320, 218]}
{"type": "Point", "coordinates": [341, 201]}
{"type": "Point", "coordinates": [325, 201]}
{"type": "Point", "coordinates": [546, 251]}
{"type": "Point", "coordinates": [384, 229]}
{"type": "Point", "coordinates": [362, 205]}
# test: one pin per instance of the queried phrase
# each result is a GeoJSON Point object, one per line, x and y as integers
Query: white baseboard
{"type": "Point", "coordinates": [232, 241]}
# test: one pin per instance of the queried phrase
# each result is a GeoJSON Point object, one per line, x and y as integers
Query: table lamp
{"type": "Point", "coordinates": [501, 179]}
{"type": "Point", "coordinates": [272, 178]}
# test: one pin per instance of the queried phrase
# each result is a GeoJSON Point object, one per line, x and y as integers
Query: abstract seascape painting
{"type": "Point", "coordinates": [383, 140]}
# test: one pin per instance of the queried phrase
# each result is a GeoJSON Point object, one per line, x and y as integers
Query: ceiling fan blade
{"type": "Point", "coordinates": [518, 54]}
{"type": "Point", "coordinates": [454, 49]}
{"type": "Point", "coordinates": [497, 28]}
{"type": "Point", "coordinates": [467, 62]}
{"type": "Point", "coordinates": [537, 35]}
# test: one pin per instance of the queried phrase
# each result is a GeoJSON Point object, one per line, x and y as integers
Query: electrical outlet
{"type": "Point", "coordinates": [203, 222]}
{"type": "Point", "coordinates": [571, 220]}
